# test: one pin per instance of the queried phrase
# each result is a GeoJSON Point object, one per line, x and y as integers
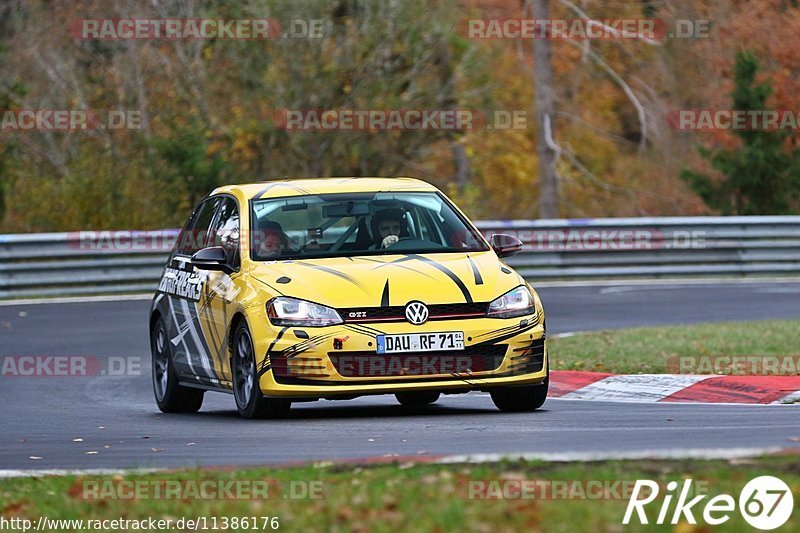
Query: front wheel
{"type": "Point", "coordinates": [170, 396]}
{"type": "Point", "coordinates": [521, 399]}
{"type": "Point", "coordinates": [250, 401]}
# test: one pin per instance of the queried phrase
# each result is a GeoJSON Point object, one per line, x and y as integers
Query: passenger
{"type": "Point", "coordinates": [274, 241]}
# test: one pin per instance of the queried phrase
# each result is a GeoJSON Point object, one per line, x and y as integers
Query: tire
{"type": "Point", "coordinates": [170, 396]}
{"type": "Point", "coordinates": [417, 398]}
{"type": "Point", "coordinates": [521, 399]}
{"type": "Point", "coordinates": [250, 401]}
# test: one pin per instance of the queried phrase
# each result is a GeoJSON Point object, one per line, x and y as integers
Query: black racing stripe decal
{"type": "Point", "coordinates": [475, 271]}
{"type": "Point", "coordinates": [264, 365]}
{"type": "Point", "coordinates": [396, 264]}
{"type": "Point", "coordinates": [496, 331]}
{"type": "Point", "coordinates": [265, 190]}
{"type": "Point", "coordinates": [300, 347]}
{"type": "Point", "coordinates": [449, 273]}
{"type": "Point", "coordinates": [400, 260]}
{"type": "Point", "coordinates": [364, 330]}
{"type": "Point", "coordinates": [385, 295]}
{"type": "Point", "coordinates": [336, 273]}
{"type": "Point", "coordinates": [279, 184]}
{"type": "Point", "coordinates": [515, 327]}
{"type": "Point", "coordinates": [276, 339]}
{"type": "Point", "coordinates": [495, 340]}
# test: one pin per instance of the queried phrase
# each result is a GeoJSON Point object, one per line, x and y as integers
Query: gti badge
{"type": "Point", "coordinates": [416, 313]}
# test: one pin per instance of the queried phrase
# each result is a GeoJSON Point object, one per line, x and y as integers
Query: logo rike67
{"type": "Point", "coordinates": [765, 503]}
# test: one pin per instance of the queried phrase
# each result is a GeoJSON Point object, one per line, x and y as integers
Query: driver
{"type": "Point", "coordinates": [388, 226]}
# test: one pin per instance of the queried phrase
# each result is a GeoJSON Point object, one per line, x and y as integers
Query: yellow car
{"type": "Point", "coordinates": [334, 288]}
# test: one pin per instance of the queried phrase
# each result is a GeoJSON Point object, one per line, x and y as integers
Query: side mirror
{"type": "Point", "coordinates": [505, 245]}
{"type": "Point", "coordinates": [212, 258]}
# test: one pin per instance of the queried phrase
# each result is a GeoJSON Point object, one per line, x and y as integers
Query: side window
{"type": "Point", "coordinates": [225, 231]}
{"type": "Point", "coordinates": [195, 235]}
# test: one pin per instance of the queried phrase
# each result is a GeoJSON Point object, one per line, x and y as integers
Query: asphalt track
{"type": "Point", "coordinates": [116, 417]}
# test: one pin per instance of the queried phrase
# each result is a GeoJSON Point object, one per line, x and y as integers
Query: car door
{"type": "Point", "coordinates": [217, 301]}
{"type": "Point", "coordinates": [182, 286]}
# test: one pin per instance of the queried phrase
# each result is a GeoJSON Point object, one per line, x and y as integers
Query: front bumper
{"type": "Point", "coordinates": [341, 361]}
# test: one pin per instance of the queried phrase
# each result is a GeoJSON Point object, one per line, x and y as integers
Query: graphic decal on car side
{"type": "Point", "coordinates": [212, 313]}
{"type": "Point", "coordinates": [181, 283]}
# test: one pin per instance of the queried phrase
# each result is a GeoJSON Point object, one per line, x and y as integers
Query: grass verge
{"type": "Point", "coordinates": [647, 350]}
{"type": "Point", "coordinates": [414, 497]}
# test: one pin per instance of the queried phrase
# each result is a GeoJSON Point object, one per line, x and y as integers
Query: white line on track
{"type": "Point", "coordinates": [660, 282]}
{"type": "Point", "coordinates": [78, 299]}
{"type": "Point", "coordinates": [76, 472]}
{"type": "Point", "coordinates": [689, 453]}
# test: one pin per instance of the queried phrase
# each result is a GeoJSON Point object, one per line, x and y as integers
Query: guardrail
{"type": "Point", "coordinates": [610, 248]}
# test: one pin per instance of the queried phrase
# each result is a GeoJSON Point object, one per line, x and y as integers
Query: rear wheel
{"type": "Point", "coordinates": [250, 401]}
{"type": "Point", "coordinates": [170, 396]}
{"type": "Point", "coordinates": [417, 398]}
{"type": "Point", "coordinates": [521, 399]}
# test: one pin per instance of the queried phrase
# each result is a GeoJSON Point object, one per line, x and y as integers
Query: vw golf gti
{"type": "Point", "coordinates": [335, 288]}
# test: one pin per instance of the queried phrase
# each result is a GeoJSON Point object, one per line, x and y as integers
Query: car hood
{"type": "Point", "coordinates": [367, 281]}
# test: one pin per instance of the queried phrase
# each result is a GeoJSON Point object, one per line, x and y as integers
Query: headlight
{"type": "Point", "coordinates": [517, 302]}
{"type": "Point", "coordinates": [283, 311]}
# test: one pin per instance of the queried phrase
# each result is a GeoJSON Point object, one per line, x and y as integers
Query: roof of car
{"type": "Point", "coordinates": [300, 187]}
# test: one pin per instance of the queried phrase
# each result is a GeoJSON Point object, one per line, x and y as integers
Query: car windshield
{"type": "Point", "coordinates": [337, 225]}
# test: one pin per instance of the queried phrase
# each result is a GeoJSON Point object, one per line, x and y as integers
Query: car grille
{"type": "Point", "coordinates": [397, 313]}
{"type": "Point", "coordinates": [370, 364]}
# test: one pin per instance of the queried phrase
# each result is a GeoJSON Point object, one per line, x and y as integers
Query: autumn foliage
{"type": "Point", "coordinates": [208, 107]}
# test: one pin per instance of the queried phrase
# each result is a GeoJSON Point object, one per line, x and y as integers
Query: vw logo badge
{"type": "Point", "coordinates": [416, 313]}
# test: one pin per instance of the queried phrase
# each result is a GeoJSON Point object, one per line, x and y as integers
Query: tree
{"type": "Point", "coordinates": [545, 111]}
{"type": "Point", "coordinates": [762, 177]}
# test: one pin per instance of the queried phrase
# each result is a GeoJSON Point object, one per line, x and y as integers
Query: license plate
{"type": "Point", "coordinates": [421, 342]}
